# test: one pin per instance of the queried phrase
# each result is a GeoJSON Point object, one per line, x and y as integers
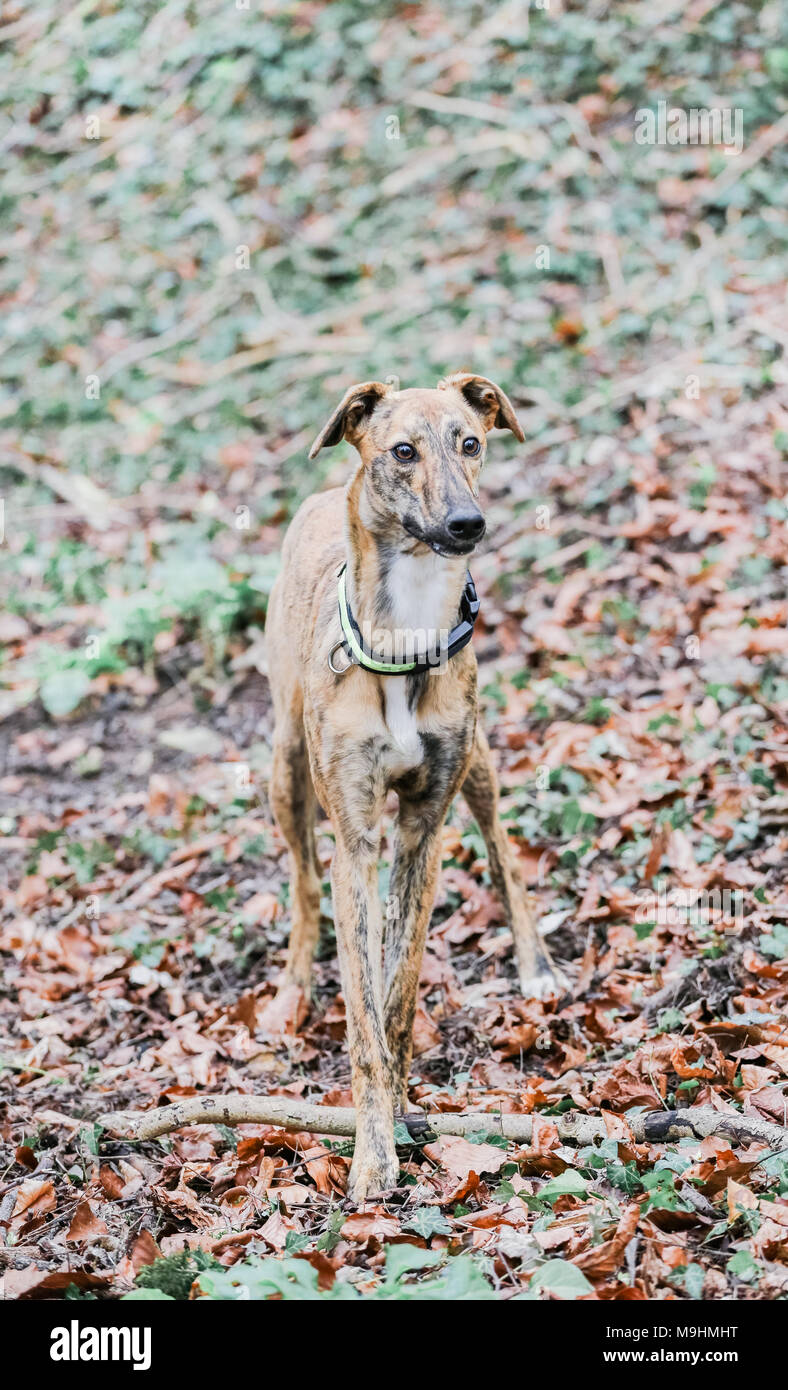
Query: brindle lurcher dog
{"type": "Point", "coordinates": [405, 526]}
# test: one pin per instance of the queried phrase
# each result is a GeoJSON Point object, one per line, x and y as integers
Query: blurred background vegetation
{"type": "Point", "coordinates": [215, 219]}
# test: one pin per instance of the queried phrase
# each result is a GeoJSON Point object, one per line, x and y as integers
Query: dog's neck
{"type": "Point", "coordinates": [394, 588]}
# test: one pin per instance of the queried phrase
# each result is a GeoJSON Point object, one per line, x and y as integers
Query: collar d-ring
{"type": "Point", "coordinates": [339, 670]}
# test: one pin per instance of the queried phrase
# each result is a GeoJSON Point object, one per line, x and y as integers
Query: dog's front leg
{"type": "Point", "coordinates": [414, 878]}
{"type": "Point", "coordinates": [539, 976]}
{"type": "Point", "coordinates": [359, 943]}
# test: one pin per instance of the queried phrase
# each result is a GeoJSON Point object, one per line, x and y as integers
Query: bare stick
{"type": "Point", "coordinates": [656, 1126]}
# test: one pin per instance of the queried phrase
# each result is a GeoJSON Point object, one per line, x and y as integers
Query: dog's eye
{"type": "Point", "coordinates": [404, 452]}
{"type": "Point", "coordinates": [471, 446]}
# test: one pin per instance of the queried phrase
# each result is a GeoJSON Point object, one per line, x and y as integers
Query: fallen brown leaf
{"type": "Point", "coordinates": [85, 1224]}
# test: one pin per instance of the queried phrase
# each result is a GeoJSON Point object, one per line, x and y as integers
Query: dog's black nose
{"type": "Point", "coordinates": [466, 526]}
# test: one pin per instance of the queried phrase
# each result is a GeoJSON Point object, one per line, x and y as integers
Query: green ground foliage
{"type": "Point", "coordinates": [214, 220]}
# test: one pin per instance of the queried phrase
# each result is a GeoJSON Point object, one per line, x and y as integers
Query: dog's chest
{"type": "Point", "coordinates": [405, 749]}
{"type": "Point", "coordinates": [421, 602]}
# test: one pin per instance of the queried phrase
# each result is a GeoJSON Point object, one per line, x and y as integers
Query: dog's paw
{"type": "Point", "coordinates": [285, 1013]}
{"type": "Point", "coordinates": [546, 982]}
{"type": "Point", "coordinates": [371, 1175]}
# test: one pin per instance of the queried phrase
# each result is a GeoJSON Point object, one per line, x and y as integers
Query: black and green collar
{"type": "Point", "coordinates": [358, 654]}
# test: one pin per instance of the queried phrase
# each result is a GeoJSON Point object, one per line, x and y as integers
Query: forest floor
{"type": "Point", "coordinates": [632, 647]}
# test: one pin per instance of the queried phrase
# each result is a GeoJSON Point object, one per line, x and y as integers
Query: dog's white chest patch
{"type": "Point", "coordinates": [421, 602]}
{"type": "Point", "coordinates": [402, 725]}
{"type": "Point", "coordinates": [420, 587]}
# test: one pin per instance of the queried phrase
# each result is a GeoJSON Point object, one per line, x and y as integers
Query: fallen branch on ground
{"type": "Point", "coordinates": [656, 1126]}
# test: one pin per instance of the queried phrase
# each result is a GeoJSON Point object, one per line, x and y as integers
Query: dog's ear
{"type": "Point", "coordinates": [355, 407]}
{"type": "Point", "coordinates": [487, 399]}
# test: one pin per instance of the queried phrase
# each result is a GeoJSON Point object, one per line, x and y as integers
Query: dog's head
{"type": "Point", "coordinates": [422, 453]}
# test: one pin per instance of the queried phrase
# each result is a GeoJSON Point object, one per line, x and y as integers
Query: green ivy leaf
{"type": "Point", "coordinates": [743, 1266]}
{"type": "Point", "coordinates": [428, 1221]}
{"type": "Point", "coordinates": [62, 691]}
{"type": "Point", "coordinates": [561, 1278]}
{"type": "Point", "coordinates": [569, 1182]}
